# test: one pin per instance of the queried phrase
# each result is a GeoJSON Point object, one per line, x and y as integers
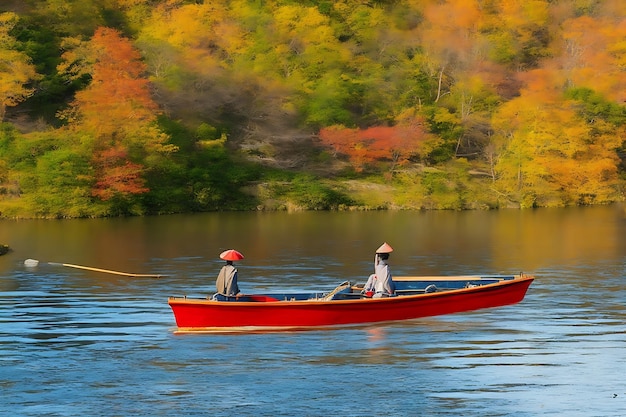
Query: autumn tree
{"type": "Point", "coordinates": [448, 37]}
{"type": "Point", "coordinates": [550, 153]}
{"type": "Point", "coordinates": [115, 115]}
{"type": "Point", "coordinates": [593, 46]}
{"type": "Point", "coordinates": [16, 70]}
{"type": "Point", "coordinates": [516, 32]}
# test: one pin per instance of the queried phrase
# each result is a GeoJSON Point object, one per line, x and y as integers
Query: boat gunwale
{"type": "Point", "coordinates": [510, 277]}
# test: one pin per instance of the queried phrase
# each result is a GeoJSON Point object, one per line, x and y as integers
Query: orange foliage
{"type": "Point", "coordinates": [117, 112]}
{"type": "Point", "coordinates": [594, 46]}
{"type": "Point", "coordinates": [117, 91]}
{"type": "Point", "coordinates": [450, 26]}
{"type": "Point", "coordinates": [544, 85]}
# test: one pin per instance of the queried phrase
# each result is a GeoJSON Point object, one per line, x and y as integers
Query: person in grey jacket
{"type": "Point", "coordinates": [380, 283]}
{"type": "Point", "coordinates": [226, 283]}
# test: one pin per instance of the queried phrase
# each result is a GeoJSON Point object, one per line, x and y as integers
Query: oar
{"type": "Point", "coordinates": [33, 262]}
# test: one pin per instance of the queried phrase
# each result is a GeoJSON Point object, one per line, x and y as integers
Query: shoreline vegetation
{"type": "Point", "coordinates": [150, 107]}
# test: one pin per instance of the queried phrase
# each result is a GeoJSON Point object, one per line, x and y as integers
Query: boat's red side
{"type": "Point", "coordinates": [191, 314]}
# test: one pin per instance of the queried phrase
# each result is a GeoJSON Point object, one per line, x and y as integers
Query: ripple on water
{"type": "Point", "coordinates": [71, 344]}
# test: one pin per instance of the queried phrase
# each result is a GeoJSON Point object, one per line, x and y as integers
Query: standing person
{"type": "Point", "coordinates": [226, 283]}
{"type": "Point", "coordinates": [380, 283]}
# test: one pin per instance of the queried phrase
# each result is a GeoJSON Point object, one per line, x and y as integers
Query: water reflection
{"type": "Point", "coordinates": [376, 334]}
{"type": "Point", "coordinates": [340, 243]}
{"type": "Point", "coordinates": [75, 342]}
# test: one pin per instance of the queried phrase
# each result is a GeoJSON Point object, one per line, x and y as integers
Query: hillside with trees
{"type": "Point", "coordinates": [141, 107]}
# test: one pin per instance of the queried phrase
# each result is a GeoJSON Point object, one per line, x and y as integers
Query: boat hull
{"type": "Point", "coordinates": [265, 314]}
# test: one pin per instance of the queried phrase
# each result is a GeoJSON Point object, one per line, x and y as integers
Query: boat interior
{"type": "Point", "coordinates": [404, 286]}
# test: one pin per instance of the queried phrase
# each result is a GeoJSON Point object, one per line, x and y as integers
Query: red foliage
{"type": "Point", "coordinates": [378, 143]}
{"type": "Point", "coordinates": [117, 175]}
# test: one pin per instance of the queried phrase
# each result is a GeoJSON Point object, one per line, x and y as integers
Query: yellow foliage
{"type": "Point", "coordinates": [16, 70]}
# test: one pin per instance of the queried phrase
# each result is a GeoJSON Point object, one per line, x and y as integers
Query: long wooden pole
{"type": "Point", "coordinates": [108, 271]}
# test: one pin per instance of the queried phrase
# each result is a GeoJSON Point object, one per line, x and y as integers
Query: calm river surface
{"type": "Point", "coordinates": [81, 343]}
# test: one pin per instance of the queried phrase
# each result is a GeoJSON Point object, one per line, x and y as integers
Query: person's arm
{"type": "Point", "coordinates": [236, 290]}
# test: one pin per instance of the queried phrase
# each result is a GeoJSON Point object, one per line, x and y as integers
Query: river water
{"type": "Point", "coordinates": [83, 343]}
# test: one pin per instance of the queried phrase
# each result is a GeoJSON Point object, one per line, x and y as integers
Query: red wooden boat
{"type": "Point", "coordinates": [346, 305]}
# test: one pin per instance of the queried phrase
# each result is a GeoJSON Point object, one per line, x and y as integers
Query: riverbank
{"type": "Point", "coordinates": [416, 189]}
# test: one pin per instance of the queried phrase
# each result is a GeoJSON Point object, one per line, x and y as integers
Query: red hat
{"type": "Point", "coordinates": [231, 255]}
{"type": "Point", "coordinates": [384, 248]}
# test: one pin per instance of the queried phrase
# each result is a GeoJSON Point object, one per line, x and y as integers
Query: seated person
{"type": "Point", "coordinates": [226, 283]}
{"type": "Point", "coordinates": [380, 283]}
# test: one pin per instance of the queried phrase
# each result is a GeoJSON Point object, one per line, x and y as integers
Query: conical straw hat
{"type": "Point", "coordinates": [384, 248]}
